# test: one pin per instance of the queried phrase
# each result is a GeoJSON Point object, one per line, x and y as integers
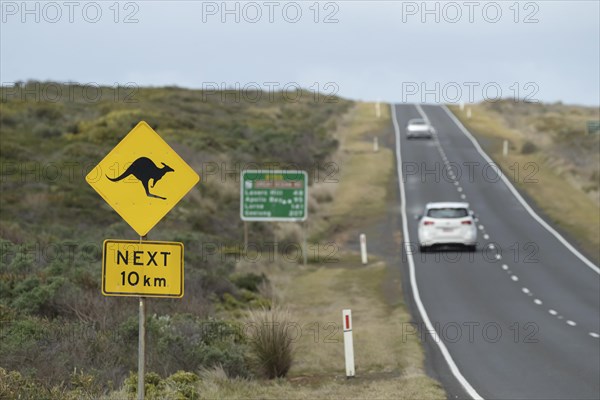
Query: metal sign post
{"type": "Point", "coordinates": [125, 179]}
{"type": "Point", "coordinates": [142, 344]}
{"type": "Point", "coordinates": [141, 350]}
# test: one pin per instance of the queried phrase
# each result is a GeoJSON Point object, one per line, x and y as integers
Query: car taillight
{"type": "Point", "coordinates": [466, 222]}
{"type": "Point", "coordinates": [428, 223]}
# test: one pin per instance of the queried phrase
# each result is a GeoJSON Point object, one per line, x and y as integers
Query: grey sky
{"type": "Point", "coordinates": [375, 50]}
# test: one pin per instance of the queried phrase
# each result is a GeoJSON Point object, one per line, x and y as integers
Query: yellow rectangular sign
{"type": "Point", "coordinates": [142, 268]}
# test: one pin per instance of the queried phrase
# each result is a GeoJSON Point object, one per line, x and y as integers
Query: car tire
{"type": "Point", "coordinates": [472, 248]}
{"type": "Point", "coordinates": [423, 249]}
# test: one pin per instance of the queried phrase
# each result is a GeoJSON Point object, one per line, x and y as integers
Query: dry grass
{"type": "Point", "coordinates": [556, 192]}
{"type": "Point", "coordinates": [359, 186]}
{"type": "Point", "coordinates": [388, 365]}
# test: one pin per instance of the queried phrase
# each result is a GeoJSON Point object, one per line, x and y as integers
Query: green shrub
{"type": "Point", "coordinates": [528, 148]}
{"type": "Point", "coordinates": [249, 281]}
{"type": "Point", "coordinates": [46, 132]}
{"type": "Point", "coordinates": [153, 385]}
{"type": "Point", "coordinates": [182, 385]}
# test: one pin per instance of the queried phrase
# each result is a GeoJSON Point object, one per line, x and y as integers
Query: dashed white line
{"type": "Point", "coordinates": [504, 267]}
{"type": "Point", "coordinates": [491, 246]}
{"type": "Point", "coordinates": [572, 323]}
{"type": "Point", "coordinates": [594, 335]}
{"type": "Point", "coordinates": [480, 227]}
{"type": "Point", "coordinates": [459, 189]}
{"type": "Point", "coordinates": [514, 278]}
{"type": "Point", "coordinates": [486, 236]}
{"type": "Point", "coordinates": [538, 302]}
{"type": "Point", "coordinates": [462, 196]}
{"type": "Point", "coordinates": [525, 290]}
{"type": "Point", "coordinates": [552, 312]}
{"type": "Point", "coordinates": [456, 183]}
{"type": "Point", "coordinates": [498, 257]}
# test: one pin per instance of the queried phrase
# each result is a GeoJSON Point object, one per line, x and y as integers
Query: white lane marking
{"type": "Point", "coordinates": [518, 196]}
{"type": "Point", "coordinates": [505, 267]}
{"type": "Point", "coordinates": [476, 219]}
{"type": "Point", "coordinates": [459, 189]}
{"type": "Point", "coordinates": [551, 311]}
{"type": "Point", "coordinates": [525, 290]}
{"type": "Point", "coordinates": [498, 257]}
{"type": "Point", "coordinates": [594, 335]}
{"type": "Point", "coordinates": [486, 236]}
{"type": "Point", "coordinates": [462, 196]}
{"type": "Point", "coordinates": [456, 183]}
{"type": "Point", "coordinates": [411, 266]}
{"type": "Point", "coordinates": [569, 322]}
{"type": "Point", "coordinates": [514, 278]}
{"type": "Point", "coordinates": [538, 302]}
{"type": "Point", "coordinates": [491, 246]}
{"type": "Point", "coordinates": [480, 227]}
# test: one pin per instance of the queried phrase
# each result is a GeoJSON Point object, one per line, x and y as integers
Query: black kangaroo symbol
{"type": "Point", "coordinates": [144, 169]}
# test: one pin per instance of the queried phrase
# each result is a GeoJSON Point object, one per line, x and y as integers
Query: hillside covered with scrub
{"type": "Point", "coordinates": [58, 332]}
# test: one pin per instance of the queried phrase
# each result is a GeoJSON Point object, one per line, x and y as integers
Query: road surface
{"type": "Point", "coordinates": [519, 318]}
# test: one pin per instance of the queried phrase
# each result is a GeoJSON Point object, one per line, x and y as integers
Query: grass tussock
{"type": "Point", "coordinates": [271, 343]}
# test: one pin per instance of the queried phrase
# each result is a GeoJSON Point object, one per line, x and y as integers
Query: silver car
{"type": "Point", "coordinates": [419, 128]}
{"type": "Point", "coordinates": [448, 223]}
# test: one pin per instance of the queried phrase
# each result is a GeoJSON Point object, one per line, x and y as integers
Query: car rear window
{"type": "Point", "coordinates": [417, 122]}
{"type": "Point", "coordinates": [447, 212]}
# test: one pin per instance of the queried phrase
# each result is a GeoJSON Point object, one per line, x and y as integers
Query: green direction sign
{"type": "Point", "coordinates": [268, 195]}
{"type": "Point", "coordinates": [593, 127]}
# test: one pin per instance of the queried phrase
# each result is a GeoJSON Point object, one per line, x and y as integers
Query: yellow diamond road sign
{"type": "Point", "coordinates": [142, 178]}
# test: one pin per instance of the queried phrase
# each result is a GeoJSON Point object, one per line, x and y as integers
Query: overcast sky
{"type": "Point", "coordinates": [366, 50]}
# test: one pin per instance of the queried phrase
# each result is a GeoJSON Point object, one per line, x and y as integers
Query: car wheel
{"type": "Point", "coordinates": [472, 248]}
{"type": "Point", "coordinates": [423, 249]}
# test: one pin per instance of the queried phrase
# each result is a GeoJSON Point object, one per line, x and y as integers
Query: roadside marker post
{"type": "Point", "coordinates": [469, 112]}
{"type": "Point", "coordinates": [363, 248]}
{"type": "Point", "coordinates": [375, 144]}
{"type": "Point", "coordinates": [378, 109]}
{"type": "Point", "coordinates": [505, 148]}
{"type": "Point", "coordinates": [462, 106]}
{"type": "Point", "coordinates": [348, 343]}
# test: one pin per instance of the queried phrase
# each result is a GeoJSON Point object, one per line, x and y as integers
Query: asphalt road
{"type": "Point", "coordinates": [519, 318]}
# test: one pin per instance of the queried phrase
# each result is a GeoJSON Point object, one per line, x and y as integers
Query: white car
{"type": "Point", "coordinates": [419, 128]}
{"type": "Point", "coordinates": [447, 224]}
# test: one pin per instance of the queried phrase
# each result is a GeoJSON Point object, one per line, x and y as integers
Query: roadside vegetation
{"type": "Point", "coordinates": [61, 339]}
{"type": "Point", "coordinates": [551, 159]}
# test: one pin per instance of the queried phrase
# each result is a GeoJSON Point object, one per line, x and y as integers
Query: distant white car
{"type": "Point", "coordinates": [447, 223]}
{"type": "Point", "coordinates": [419, 128]}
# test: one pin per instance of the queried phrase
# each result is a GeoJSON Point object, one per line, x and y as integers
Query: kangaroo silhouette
{"type": "Point", "coordinates": [145, 170]}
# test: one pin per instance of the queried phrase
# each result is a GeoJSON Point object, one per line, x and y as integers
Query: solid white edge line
{"type": "Point", "coordinates": [411, 266]}
{"type": "Point", "coordinates": [518, 196]}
